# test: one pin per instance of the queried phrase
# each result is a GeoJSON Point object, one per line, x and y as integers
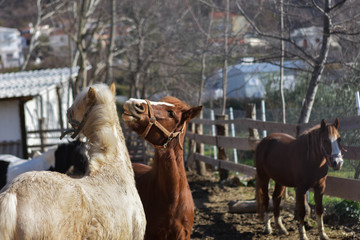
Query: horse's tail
{"type": "Point", "coordinates": [259, 199]}
{"type": "Point", "coordinates": [8, 215]}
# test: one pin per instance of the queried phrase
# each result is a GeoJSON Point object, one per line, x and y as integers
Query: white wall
{"type": "Point", "coordinates": [10, 128]}
{"type": "Point", "coordinates": [50, 112]}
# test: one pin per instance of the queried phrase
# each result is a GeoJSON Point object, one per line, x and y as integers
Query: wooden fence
{"type": "Point", "coordinates": [335, 186]}
{"type": "Point", "coordinates": [49, 137]}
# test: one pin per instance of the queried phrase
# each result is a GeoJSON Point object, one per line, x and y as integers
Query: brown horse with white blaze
{"type": "Point", "coordinates": [301, 163]}
{"type": "Point", "coordinates": [163, 188]}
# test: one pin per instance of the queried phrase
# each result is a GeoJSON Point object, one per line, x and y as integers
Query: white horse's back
{"type": "Point", "coordinates": [65, 219]}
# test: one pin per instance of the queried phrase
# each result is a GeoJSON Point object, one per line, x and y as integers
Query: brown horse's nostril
{"type": "Point", "coordinates": [139, 107]}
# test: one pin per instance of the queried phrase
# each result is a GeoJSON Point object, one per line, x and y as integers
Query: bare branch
{"type": "Point", "coordinates": [195, 19]}
{"type": "Point", "coordinates": [337, 5]}
{"type": "Point", "coordinates": [259, 32]}
{"type": "Point", "coordinates": [318, 7]}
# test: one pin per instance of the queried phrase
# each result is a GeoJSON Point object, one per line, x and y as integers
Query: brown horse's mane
{"type": "Point", "coordinates": [312, 137]}
{"type": "Point", "coordinates": [310, 130]}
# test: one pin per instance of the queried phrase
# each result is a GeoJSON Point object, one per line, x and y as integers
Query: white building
{"type": "Point", "coordinates": [10, 48]}
{"type": "Point", "coordinates": [310, 38]}
{"type": "Point", "coordinates": [30, 101]}
{"type": "Point", "coordinates": [59, 42]}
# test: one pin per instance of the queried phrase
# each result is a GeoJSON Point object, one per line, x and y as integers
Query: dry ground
{"type": "Point", "coordinates": [213, 220]}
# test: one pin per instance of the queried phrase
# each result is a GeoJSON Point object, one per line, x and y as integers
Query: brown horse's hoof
{"type": "Point", "coordinates": [303, 237]}
{"type": "Point", "coordinates": [282, 230]}
{"type": "Point", "coordinates": [323, 236]}
{"type": "Point", "coordinates": [280, 226]}
{"type": "Point", "coordinates": [268, 231]}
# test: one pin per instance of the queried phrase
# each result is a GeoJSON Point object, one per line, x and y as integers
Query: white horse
{"type": "Point", "coordinates": [102, 205]}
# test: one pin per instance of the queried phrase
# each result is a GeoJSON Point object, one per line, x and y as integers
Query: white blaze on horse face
{"type": "Point", "coordinates": [335, 150]}
{"type": "Point", "coordinates": [336, 153]}
{"type": "Point", "coordinates": [151, 102]}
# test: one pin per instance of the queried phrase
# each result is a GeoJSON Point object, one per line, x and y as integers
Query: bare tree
{"type": "Point", "coordinates": [153, 45]}
{"type": "Point", "coordinates": [226, 53]}
{"type": "Point", "coordinates": [283, 107]}
{"type": "Point", "coordinates": [111, 46]}
{"type": "Point", "coordinates": [316, 59]}
{"type": "Point", "coordinates": [44, 12]}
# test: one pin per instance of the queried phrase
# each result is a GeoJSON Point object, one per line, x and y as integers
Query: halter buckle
{"type": "Point", "coordinates": [152, 120]}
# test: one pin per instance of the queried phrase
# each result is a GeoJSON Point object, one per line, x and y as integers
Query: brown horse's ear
{"type": "Point", "coordinates": [91, 95]}
{"type": "Point", "coordinates": [323, 124]}
{"type": "Point", "coordinates": [191, 113]}
{"type": "Point", "coordinates": [336, 123]}
{"type": "Point", "coordinates": [113, 88]}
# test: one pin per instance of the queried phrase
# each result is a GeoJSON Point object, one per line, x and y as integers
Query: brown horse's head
{"type": "Point", "coordinates": [330, 144]}
{"type": "Point", "coordinates": [159, 122]}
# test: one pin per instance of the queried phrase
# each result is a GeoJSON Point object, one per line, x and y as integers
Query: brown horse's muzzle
{"type": "Point", "coordinates": [133, 110]}
{"type": "Point", "coordinates": [336, 161]}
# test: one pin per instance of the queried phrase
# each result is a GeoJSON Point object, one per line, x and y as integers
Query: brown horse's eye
{"type": "Point", "coordinates": [171, 114]}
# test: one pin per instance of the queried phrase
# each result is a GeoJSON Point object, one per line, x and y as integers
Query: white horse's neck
{"type": "Point", "coordinates": [107, 146]}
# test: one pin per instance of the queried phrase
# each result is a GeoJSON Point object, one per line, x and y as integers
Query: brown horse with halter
{"type": "Point", "coordinates": [301, 163]}
{"type": "Point", "coordinates": [163, 188]}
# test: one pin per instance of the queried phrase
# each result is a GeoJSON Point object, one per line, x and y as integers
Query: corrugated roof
{"type": "Point", "coordinates": [32, 83]}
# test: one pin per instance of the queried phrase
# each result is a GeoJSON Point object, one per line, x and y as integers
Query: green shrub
{"type": "Point", "coordinates": [347, 210]}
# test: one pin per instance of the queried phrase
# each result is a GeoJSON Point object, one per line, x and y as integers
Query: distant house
{"type": "Point", "coordinates": [59, 42]}
{"type": "Point", "coordinates": [10, 48]}
{"type": "Point", "coordinates": [30, 102]}
{"type": "Point", "coordinates": [238, 27]}
{"type": "Point", "coordinates": [310, 38]}
{"type": "Point", "coordinates": [247, 80]}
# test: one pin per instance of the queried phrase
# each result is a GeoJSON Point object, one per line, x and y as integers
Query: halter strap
{"type": "Point", "coordinates": [80, 125]}
{"type": "Point", "coordinates": [152, 121]}
{"type": "Point", "coordinates": [329, 156]}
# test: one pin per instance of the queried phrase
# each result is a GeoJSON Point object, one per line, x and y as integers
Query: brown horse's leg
{"type": "Point", "coordinates": [318, 194]}
{"type": "Point", "coordinates": [263, 184]}
{"type": "Point", "coordinates": [278, 193]}
{"type": "Point", "coordinates": [300, 204]}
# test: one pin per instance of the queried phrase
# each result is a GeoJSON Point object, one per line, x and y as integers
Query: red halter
{"type": "Point", "coordinates": [152, 121]}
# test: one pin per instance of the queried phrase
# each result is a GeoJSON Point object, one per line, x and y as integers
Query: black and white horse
{"type": "Point", "coordinates": [61, 158]}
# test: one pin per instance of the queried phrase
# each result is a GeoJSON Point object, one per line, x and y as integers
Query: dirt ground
{"type": "Point", "coordinates": [214, 221]}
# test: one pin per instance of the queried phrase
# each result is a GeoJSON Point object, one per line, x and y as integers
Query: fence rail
{"type": "Point", "coordinates": [335, 186]}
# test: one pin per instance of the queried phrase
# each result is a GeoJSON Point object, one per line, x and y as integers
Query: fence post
{"type": "Point", "coordinates": [41, 133]}
{"type": "Point", "coordinates": [192, 147]}
{"type": "Point", "coordinates": [213, 131]}
{"type": "Point", "coordinates": [222, 130]}
{"type": "Point", "coordinates": [253, 132]}
{"type": "Point", "coordinates": [200, 166]}
{"type": "Point", "coordinates": [263, 116]}
{"type": "Point", "coordinates": [357, 103]}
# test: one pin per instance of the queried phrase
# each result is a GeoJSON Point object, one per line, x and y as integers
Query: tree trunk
{"type": "Point", "coordinates": [283, 107]}
{"type": "Point", "coordinates": [33, 43]}
{"type": "Point", "coordinates": [109, 71]}
{"type": "Point", "coordinates": [318, 68]}
{"type": "Point", "coordinates": [225, 67]}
